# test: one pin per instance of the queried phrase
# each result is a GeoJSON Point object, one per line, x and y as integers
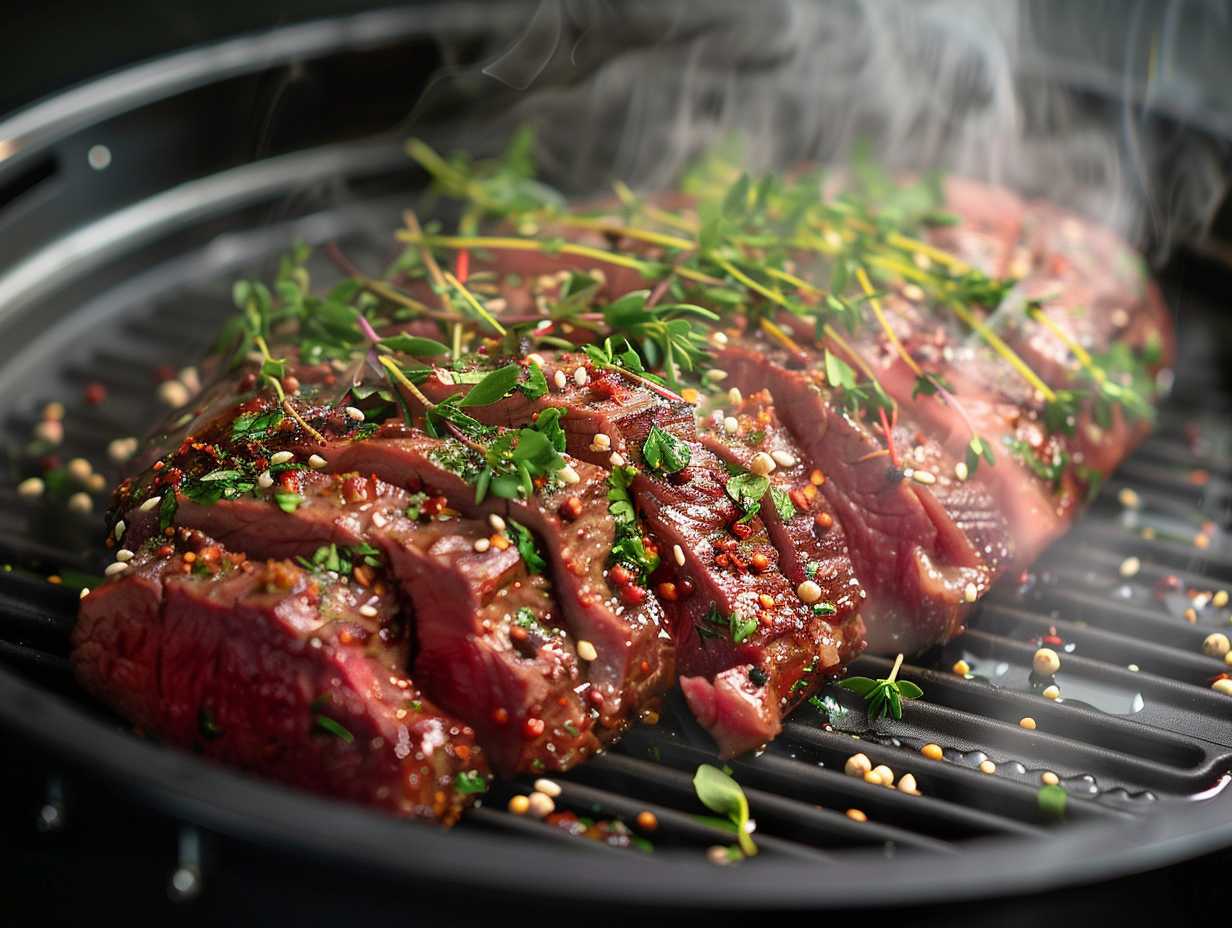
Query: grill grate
{"type": "Point", "coordinates": [1140, 741]}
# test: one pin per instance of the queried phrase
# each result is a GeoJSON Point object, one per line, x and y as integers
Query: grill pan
{"type": "Point", "coordinates": [107, 272]}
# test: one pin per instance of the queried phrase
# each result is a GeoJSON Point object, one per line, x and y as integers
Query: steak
{"type": "Point", "coordinates": [733, 611]}
{"type": "Point", "coordinates": [488, 644]}
{"type": "Point", "coordinates": [276, 669]}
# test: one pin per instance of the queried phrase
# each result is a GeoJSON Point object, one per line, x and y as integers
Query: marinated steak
{"type": "Point", "coordinates": [277, 669]}
{"type": "Point", "coordinates": [726, 438]}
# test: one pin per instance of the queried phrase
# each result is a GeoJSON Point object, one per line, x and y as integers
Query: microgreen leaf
{"type": "Point", "coordinates": [414, 345]}
{"type": "Point", "coordinates": [721, 794]}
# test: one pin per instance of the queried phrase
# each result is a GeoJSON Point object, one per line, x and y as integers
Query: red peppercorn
{"type": "Point", "coordinates": [95, 393]}
{"type": "Point", "coordinates": [759, 562]}
{"type": "Point", "coordinates": [620, 575]}
{"type": "Point", "coordinates": [823, 521]}
{"type": "Point", "coordinates": [667, 591]}
{"type": "Point", "coordinates": [798, 499]}
{"type": "Point", "coordinates": [685, 588]}
{"type": "Point", "coordinates": [595, 697]}
{"type": "Point", "coordinates": [500, 715]}
{"type": "Point", "coordinates": [532, 728]}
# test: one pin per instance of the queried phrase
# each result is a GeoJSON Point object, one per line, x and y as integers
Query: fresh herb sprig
{"type": "Point", "coordinates": [883, 697]}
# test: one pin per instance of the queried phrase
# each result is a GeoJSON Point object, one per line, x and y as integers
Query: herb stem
{"type": "Point", "coordinates": [396, 372]}
{"type": "Point", "coordinates": [510, 243]}
{"type": "Point", "coordinates": [1006, 352]}
{"type": "Point", "coordinates": [898, 663]}
{"type": "Point", "coordinates": [474, 304]}
{"type": "Point", "coordinates": [875, 304]}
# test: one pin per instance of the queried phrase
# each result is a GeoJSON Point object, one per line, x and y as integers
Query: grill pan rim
{"type": "Point", "coordinates": [200, 792]}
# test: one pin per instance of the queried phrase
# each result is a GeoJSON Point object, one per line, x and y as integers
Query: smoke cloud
{"type": "Point", "coordinates": [1109, 107]}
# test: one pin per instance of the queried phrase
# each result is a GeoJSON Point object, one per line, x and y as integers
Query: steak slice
{"type": "Point", "coordinates": [490, 645]}
{"type": "Point", "coordinates": [472, 655]}
{"type": "Point", "coordinates": [728, 616]}
{"type": "Point", "coordinates": [918, 565]}
{"type": "Point", "coordinates": [635, 656]}
{"type": "Point", "coordinates": [275, 669]}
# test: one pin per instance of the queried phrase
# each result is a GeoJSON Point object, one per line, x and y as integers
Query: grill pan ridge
{"type": "Point", "coordinates": [120, 290]}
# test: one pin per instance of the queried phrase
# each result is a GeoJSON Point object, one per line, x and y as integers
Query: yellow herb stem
{"type": "Point", "coordinates": [615, 228]}
{"type": "Point", "coordinates": [283, 401]}
{"type": "Point", "coordinates": [772, 295]}
{"type": "Point", "coordinates": [831, 333]}
{"type": "Point", "coordinates": [1084, 358]}
{"type": "Point", "coordinates": [474, 303]}
{"type": "Point", "coordinates": [396, 371]}
{"type": "Point", "coordinates": [776, 332]}
{"type": "Point", "coordinates": [661, 216]}
{"type": "Point", "coordinates": [510, 243]}
{"type": "Point", "coordinates": [875, 304]}
{"type": "Point", "coordinates": [1002, 349]}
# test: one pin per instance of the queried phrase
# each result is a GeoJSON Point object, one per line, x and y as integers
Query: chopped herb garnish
{"type": "Point", "coordinates": [326, 725]}
{"type": "Point", "coordinates": [415, 503]}
{"type": "Point", "coordinates": [287, 501]}
{"type": "Point", "coordinates": [206, 725]}
{"type": "Point", "coordinates": [470, 782]}
{"type": "Point", "coordinates": [525, 543]}
{"type": "Point", "coordinates": [716, 625]}
{"type": "Point", "coordinates": [746, 490]}
{"type": "Point", "coordinates": [1052, 801]}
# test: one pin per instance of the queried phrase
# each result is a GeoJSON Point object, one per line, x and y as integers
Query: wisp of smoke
{"type": "Point", "coordinates": [1080, 103]}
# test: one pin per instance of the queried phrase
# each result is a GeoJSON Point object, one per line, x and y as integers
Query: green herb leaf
{"type": "Point", "coordinates": [470, 782]}
{"type": "Point", "coordinates": [326, 725]}
{"type": "Point", "coordinates": [167, 509]}
{"type": "Point", "coordinates": [525, 543]}
{"type": "Point", "coordinates": [414, 345]}
{"type": "Point", "coordinates": [861, 686]}
{"type": "Point", "coordinates": [493, 387]}
{"type": "Point", "coordinates": [1052, 801]}
{"type": "Point", "coordinates": [536, 385]}
{"type": "Point", "coordinates": [746, 490]}
{"type": "Point", "coordinates": [783, 505]}
{"type": "Point", "coordinates": [287, 501]}
{"type": "Point", "coordinates": [665, 452]}
{"type": "Point", "coordinates": [721, 794]}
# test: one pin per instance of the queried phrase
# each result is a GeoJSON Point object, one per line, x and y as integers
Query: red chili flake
{"type": "Point", "coordinates": [165, 550]}
{"type": "Point", "coordinates": [355, 489]}
{"type": "Point", "coordinates": [823, 521]}
{"type": "Point", "coordinates": [633, 595]}
{"type": "Point", "coordinates": [462, 265]}
{"type": "Point", "coordinates": [620, 575]}
{"type": "Point", "coordinates": [798, 499]}
{"type": "Point", "coordinates": [759, 562]}
{"type": "Point", "coordinates": [500, 716]}
{"type": "Point", "coordinates": [518, 633]}
{"type": "Point", "coordinates": [740, 530]}
{"type": "Point", "coordinates": [667, 591]}
{"type": "Point", "coordinates": [95, 393]}
{"type": "Point", "coordinates": [1199, 477]}
{"type": "Point", "coordinates": [571, 509]}
{"type": "Point", "coordinates": [532, 728]}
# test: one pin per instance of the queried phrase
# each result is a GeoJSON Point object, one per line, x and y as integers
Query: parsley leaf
{"type": "Point", "coordinates": [746, 490]}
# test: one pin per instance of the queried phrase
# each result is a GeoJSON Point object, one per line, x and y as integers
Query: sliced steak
{"type": "Point", "coordinates": [490, 643]}
{"type": "Point", "coordinates": [275, 669]}
{"type": "Point", "coordinates": [635, 655]}
{"type": "Point", "coordinates": [472, 655]}
{"type": "Point", "coordinates": [918, 565]}
{"type": "Point", "coordinates": [733, 611]}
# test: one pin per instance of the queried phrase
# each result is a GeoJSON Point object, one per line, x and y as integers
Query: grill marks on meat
{"type": "Point", "coordinates": [636, 656]}
{"type": "Point", "coordinates": [268, 667]}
